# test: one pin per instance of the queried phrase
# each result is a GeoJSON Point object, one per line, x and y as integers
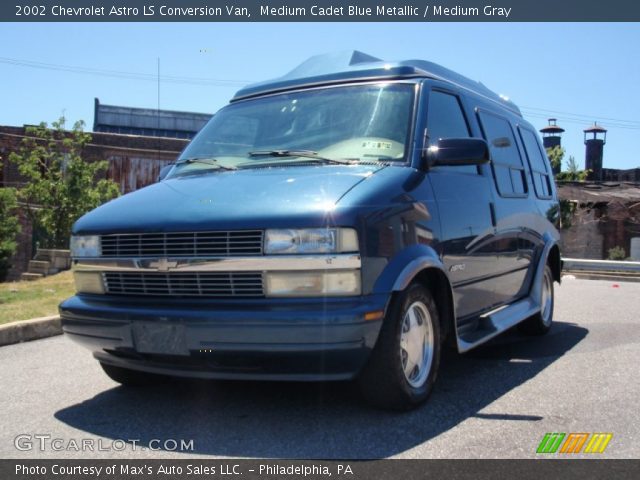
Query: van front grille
{"type": "Point", "coordinates": [187, 284]}
{"type": "Point", "coordinates": [194, 244]}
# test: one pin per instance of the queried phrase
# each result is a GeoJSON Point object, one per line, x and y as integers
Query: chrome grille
{"type": "Point", "coordinates": [194, 244]}
{"type": "Point", "coordinates": [186, 284]}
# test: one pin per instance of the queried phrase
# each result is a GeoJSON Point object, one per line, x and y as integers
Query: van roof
{"type": "Point", "coordinates": [354, 65]}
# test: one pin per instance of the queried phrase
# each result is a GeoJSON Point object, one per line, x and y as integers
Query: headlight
{"type": "Point", "coordinates": [312, 284]}
{"type": "Point", "coordinates": [85, 246]}
{"type": "Point", "coordinates": [311, 240]}
{"type": "Point", "coordinates": [88, 282]}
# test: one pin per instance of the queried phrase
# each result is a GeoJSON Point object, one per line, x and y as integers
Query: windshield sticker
{"type": "Point", "coordinates": [377, 145]}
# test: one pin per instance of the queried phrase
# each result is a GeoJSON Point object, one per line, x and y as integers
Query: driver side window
{"type": "Point", "coordinates": [445, 119]}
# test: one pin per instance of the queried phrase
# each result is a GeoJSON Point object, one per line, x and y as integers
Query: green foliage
{"type": "Point", "coordinates": [563, 212]}
{"type": "Point", "coordinates": [61, 186]}
{"type": "Point", "coordinates": [567, 209]}
{"type": "Point", "coordinates": [573, 172]}
{"type": "Point", "coordinates": [555, 154]}
{"type": "Point", "coordinates": [617, 253]}
{"type": "Point", "coordinates": [9, 229]}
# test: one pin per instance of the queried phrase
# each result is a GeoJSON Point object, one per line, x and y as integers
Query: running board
{"type": "Point", "coordinates": [497, 321]}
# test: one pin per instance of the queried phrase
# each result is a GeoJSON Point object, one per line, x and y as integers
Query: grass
{"type": "Point", "coordinates": [39, 298]}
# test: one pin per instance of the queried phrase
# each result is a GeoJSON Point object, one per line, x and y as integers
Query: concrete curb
{"type": "Point", "coordinates": [25, 330]}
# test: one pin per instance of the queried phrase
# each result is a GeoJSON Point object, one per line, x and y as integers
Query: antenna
{"type": "Point", "coordinates": [158, 118]}
{"type": "Point", "coordinates": [158, 111]}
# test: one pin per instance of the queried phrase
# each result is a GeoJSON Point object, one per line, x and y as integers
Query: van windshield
{"type": "Point", "coordinates": [346, 124]}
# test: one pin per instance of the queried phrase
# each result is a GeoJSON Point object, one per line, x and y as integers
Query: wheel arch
{"type": "Point", "coordinates": [555, 262]}
{"type": "Point", "coordinates": [430, 272]}
{"type": "Point", "coordinates": [438, 283]}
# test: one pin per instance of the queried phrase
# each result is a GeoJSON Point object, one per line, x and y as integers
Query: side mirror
{"type": "Point", "coordinates": [164, 171]}
{"type": "Point", "coordinates": [458, 151]}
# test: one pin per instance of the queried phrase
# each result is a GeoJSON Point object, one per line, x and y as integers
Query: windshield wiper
{"type": "Point", "coordinates": [206, 161]}
{"type": "Point", "coordinates": [310, 154]}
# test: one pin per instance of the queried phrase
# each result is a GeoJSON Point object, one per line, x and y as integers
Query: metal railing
{"type": "Point", "coordinates": [600, 266]}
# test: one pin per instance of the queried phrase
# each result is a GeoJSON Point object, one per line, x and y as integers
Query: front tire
{"type": "Point", "coordinates": [541, 322]}
{"type": "Point", "coordinates": [404, 362]}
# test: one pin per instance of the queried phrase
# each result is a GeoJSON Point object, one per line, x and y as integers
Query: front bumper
{"type": "Point", "coordinates": [266, 339]}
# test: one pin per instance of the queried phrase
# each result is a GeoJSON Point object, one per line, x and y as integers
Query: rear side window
{"type": "Point", "coordinates": [539, 168]}
{"type": "Point", "coordinates": [508, 168]}
{"type": "Point", "coordinates": [446, 119]}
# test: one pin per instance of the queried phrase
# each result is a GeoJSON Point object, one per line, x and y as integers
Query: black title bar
{"type": "Point", "coordinates": [200, 469]}
{"type": "Point", "coordinates": [320, 11]}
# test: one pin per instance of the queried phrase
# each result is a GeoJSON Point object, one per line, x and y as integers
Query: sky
{"type": "Point", "coordinates": [577, 72]}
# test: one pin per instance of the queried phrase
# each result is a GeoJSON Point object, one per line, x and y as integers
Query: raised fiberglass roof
{"type": "Point", "coordinates": [355, 65]}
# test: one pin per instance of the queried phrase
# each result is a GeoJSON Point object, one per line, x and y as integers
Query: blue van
{"type": "Point", "coordinates": [344, 221]}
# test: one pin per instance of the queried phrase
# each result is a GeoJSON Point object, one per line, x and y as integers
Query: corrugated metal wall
{"type": "Point", "coordinates": [132, 172]}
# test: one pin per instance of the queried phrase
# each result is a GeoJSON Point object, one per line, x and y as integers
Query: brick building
{"type": "Point", "coordinates": [136, 142]}
{"type": "Point", "coordinates": [134, 162]}
{"type": "Point", "coordinates": [620, 175]}
{"type": "Point", "coordinates": [607, 215]}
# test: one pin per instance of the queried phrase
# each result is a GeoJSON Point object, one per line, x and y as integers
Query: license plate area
{"type": "Point", "coordinates": [160, 338]}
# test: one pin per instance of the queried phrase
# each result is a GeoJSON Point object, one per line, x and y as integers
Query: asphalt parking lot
{"type": "Point", "coordinates": [495, 402]}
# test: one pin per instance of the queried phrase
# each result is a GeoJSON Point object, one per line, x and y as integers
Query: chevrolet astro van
{"type": "Point", "coordinates": [345, 221]}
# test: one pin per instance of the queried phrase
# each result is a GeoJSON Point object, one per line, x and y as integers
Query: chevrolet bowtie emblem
{"type": "Point", "coordinates": [163, 265]}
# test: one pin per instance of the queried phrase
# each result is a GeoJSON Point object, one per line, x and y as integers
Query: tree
{"type": "Point", "coordinates": [9, 229]}
{"type": "Point", "coordinates": [555, 154]}
{"type": "Point", "coordinates": [567, 210]}
{"type": "Point", "coordinates": [573, 173]}
{"type": "Point", "coordinates": [61, 186]}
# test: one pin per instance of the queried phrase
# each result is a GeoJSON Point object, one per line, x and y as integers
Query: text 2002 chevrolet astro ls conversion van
{"type": "Point", "coordinates": [340, 222]}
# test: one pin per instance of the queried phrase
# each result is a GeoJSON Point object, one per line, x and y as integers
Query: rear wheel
{"type": "Point", "coordinates": [540, 323]}
{"type": "Point", "coordinates": [131, 378]}
{"type": "Point", "coordinates": [404, 363]}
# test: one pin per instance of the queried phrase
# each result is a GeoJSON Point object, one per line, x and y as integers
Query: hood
{"type": "Point", "coordinates": [253, 198]}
